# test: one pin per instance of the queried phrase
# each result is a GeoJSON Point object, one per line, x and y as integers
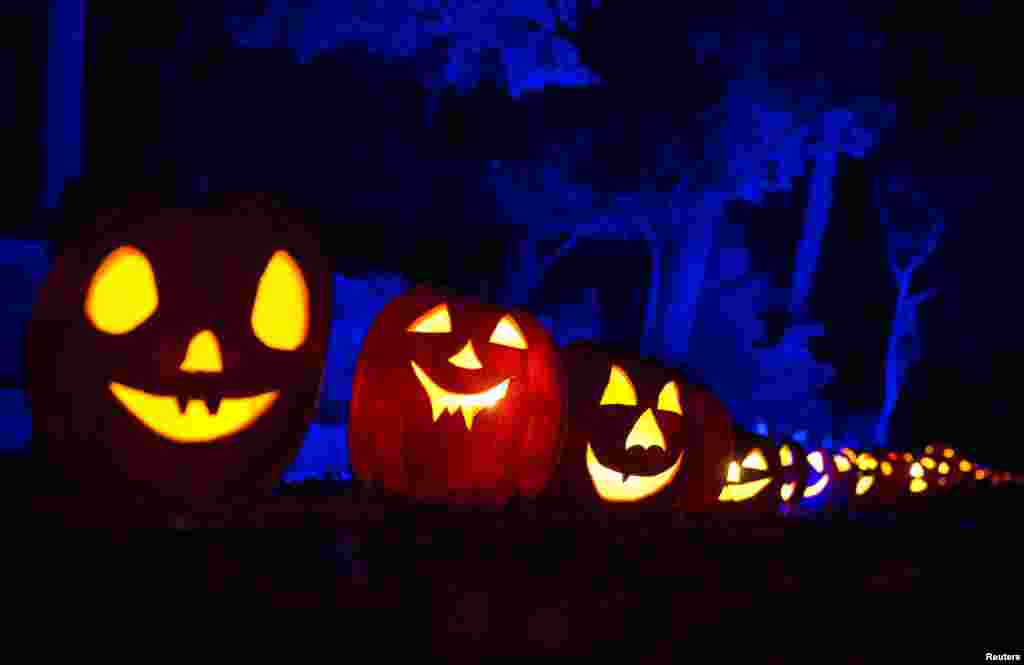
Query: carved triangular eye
{"type": "Point", "coordinates": [668, 398]}
{"type": "Point", "coordinates": [755, 460]}
{"type": "Point", "coordinates": [434, 320]}
{"type": "Point", "coordinates": [507, 333]}
{"type": "Point", "coordinates": [619, 389]}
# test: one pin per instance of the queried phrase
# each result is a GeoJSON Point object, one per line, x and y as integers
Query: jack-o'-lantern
{"type": "Point", "coordinates": [764, 477]}
{"type": "Point", "coordinates": [829, 479]}
{"type": "Point", "coordinates": [864, 491]}
{"type": "Point", "coordinates": [456, 401]}
{"type": "Point", "coordinates": [890, 478]}
{"type": "Point", "coordinates": [952, 466]}
{"type": "Point", "coordinates": [976, 476]}
{"type": "Point", "coordinates": [1002, 478]}
{"type": "Point", "coordinates": [641, 436]}
{"type": "Point", "coordinates": [179, 352]}
{"type": "Point", "coordinates": [922, 478]}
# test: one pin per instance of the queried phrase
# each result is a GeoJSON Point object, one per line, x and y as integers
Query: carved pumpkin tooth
{"type": "Point", "coordinates": [212, 404]}
{"type": "Point", "coordinates": [182, 403]}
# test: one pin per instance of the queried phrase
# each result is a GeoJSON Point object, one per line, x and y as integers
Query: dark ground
{"type": "Point", "coordinates": [536, 578]}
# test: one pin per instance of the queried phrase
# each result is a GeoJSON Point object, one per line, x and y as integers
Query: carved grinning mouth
{"type": "Point", "coordinates": [183, 420]}
{"type": "Point", "coordinates": [615, 486]}
{"type": "Point", "coordinates": [744, 491]}
{"type": "Point", "coordinates": [816, 488]}
{"type": "Point", "coordinates": [470, 403]}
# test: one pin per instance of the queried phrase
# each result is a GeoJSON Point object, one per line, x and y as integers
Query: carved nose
{"type": "Point", "coordinates": [466, 358]}
{"type": "Point", "coordinates": [203, 354]}
{"type": "Point", "coordinates": [646, 433]}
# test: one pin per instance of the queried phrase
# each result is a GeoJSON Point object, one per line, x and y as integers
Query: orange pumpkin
{"type": "Point", "coordinates": [764, 477]}
{"type": "Point", "coordinates": [640, 434]}
{"type": "Point", "coordinates": [178, 353]}
{"type": "Point", "coordinates": [455, 400]}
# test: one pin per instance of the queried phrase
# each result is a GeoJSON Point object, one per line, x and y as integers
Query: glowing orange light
{"type": "Point", "coordinates": [864, 483]}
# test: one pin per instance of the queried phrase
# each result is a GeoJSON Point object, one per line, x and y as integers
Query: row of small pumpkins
{"type": "Point", "coordinates": [181, 352]}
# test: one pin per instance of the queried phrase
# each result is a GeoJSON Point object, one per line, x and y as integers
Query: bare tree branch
{"type": "Point", "coordinates": [918, 298]}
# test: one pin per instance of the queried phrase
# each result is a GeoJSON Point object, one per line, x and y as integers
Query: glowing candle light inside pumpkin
{"type": "Point", "coordinates": [965, 466]}
{"type": "Point", "coordinates": [817, 462]}
{"type": "Point", "coordinates": [866, 462]}
{"type": "Point", "coordinates": [928, 463]}
{"type": "Point", "coordinates": [886, 469]}
{"type": "Point", "coordinates": [864, 483]}
{"type": "Point", "coordinates": [917, 483]}
{"type": "Point", "coordinates": [948, 453]}
{"type": "Point", "coordinates": [943, 468]}
{"type": "Point", "coordinates": [842, 463]}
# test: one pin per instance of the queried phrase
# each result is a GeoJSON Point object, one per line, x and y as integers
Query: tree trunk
{"type": "Point", "coordinates": [65, 71]}
{"type": "Point", "coordinates": [684, 276]}
{"type": "Point", "coordinates": [895, 367]}
{"type": "Point", "coordinates": [819, 201]}
{"type": "Point", "coordinates": [649, 341]}
{"type": "Point", "coordinates": [521, 267]}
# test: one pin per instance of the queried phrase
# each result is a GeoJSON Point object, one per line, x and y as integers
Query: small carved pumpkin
{"type": "Point", "coordinates": [952, 467]}
{"type": "Point", "coordinates": [879, 479]}
{"type": "Point", "coordinates": [828, 480]}
{"type": "Point", "coordinates": [764, 477]}
{"type": "Point", "coordinates": [925, 477]}
{"type": "Point", "coordinates": [979, 477]}
{"type": "Point", "coordinates": [454, 400]}
{"type": "Point", "coordinates": [882, 480]}
{"type": "Point", "coordinates": [180, 352]}
{"type": "Point", "coordinates": [640, 434]}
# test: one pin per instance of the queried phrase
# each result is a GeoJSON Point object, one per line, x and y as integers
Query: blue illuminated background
{"type": "Point", "coordinates": [807, 208]}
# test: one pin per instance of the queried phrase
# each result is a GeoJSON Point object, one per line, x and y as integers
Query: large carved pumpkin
{"type": "Point", "coordinates": [764, 477]}
{"type": "Point", "coordinates": [179, 353]}
{"type": "Point", "coordinates": [640, 434]}
{"type": "Point", "coordinates": [454, 400]}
